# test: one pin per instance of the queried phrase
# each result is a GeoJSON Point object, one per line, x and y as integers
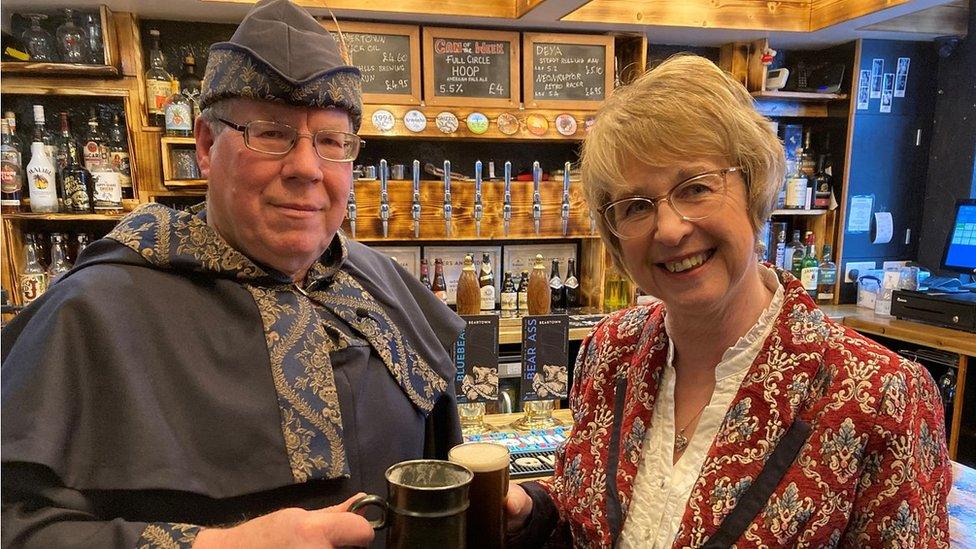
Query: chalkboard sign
{"type": "Point", "coordinates": [567, 70]}
{"type": "Point", "coordinates": [389, 58]}
{"type": "Point", "coordinates": [467, 67]}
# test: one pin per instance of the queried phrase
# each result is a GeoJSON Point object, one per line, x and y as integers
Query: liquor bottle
{"type": "Point", "coordinates": [76, 181]}
{"type": "Point", "coordinates": [106, 189]}
{"type": "Point", "coordinates": [823, 184]}
{"type": "Point", "coordinates": [810, 268]}
{"type": "Point", "coordinates": [11, 119]}
{"type": "Point", "coordinates": [425, 273]}
{"type": "Point", "coordinates": [82, 244]}
{"type": "Point", "coordinates": [59, 259]}
{"type": "Point", "coordinates": [828, 275]}
{"type": "Point", "coordinates": [33, 280]}
{"type": "Point", "coordinates": [796, 187]}
{"type": "Point", "coordinates": [118, 156]}
{"type": "Point", "coordinates": [40, 129]}
{"type": "Point", "coordinates": [509, 297]}
{"type": "Point", "coordinates": [557, 292]}
{"type": "Point", "coordinates": [179, 113]}
{"type": "Point", "coordinates": [794, 247]}
{"type": "Point", "coordinates": [158, 83]}
{"type": "Point", "coordinates": [95, 149]}
{"type": "Point", "coordinates": [540, 297]}
{"type": "Point", "coordinates": [11, 171]}
{"type": "Point", "coordinates": [780, 252]}
{"type": "Point", "coordinates": [808, 160]}
{"type": "Point", "coordinates": [487, 282]}
{"type": "Point", "coordinates": [522, 305]}
{"type": "Point", "coordinates": [468, 298]}
{"type": "Point", "coordinates": [571, 285]}
{"type": "Point", "coordinates": [440, 285]}
{"type": "Point", "coordinates": [67, 146]}
{"type": "Point", "coordinates": [41, 180]}
{"type": "Point", "coordinates": [190, 84]}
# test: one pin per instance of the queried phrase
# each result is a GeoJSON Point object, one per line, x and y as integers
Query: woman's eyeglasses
{"type": "Point", "coordinates": [693, 199]}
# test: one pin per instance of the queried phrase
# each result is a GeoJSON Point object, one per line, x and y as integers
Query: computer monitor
{"type": "Point", "coordinates": [960, 251]}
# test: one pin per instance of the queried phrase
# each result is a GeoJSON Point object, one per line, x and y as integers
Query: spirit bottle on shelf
{"type": "Point", "coordinates": [46, 137]}
{"type": "Point", "coordinates": [795, 247]}
{"type": "Point", "coordinates": [179, 114]}
{"type": "Point", "coordinates": [425, 273]}
{"type": "Point", "coordinates": [33, 279]}
{"type": "Point", "coordinates": [796, 188]}
{"type": "Point", "coordinates": [118, 156]}
{"type": "Point", "coordinates": [41, 179]}
{"type": "Point", "coordinates": [823, 184]}
{"type": "Point", "coordinates": [828, 275]}
{"type": "Point", "coordinates": [95, 150]}
{"type": "Point", "coordinates": [810, 267]}
{"type": "Point", "coordinates": [190, 84]}
{"type": "Point", "coordinates": [11, 171]}
{"type": "Point", "coordinates": [158, 83]}
{"type": "Point", "coordinates": [59, 258]}
{"type": "Point", "coordinates": [76, 180]}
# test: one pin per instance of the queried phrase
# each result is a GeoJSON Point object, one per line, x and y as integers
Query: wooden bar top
{"type": "Point", "coordinates": [867, 321]}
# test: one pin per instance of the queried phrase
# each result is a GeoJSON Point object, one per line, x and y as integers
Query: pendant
{"type": "Point", "coordinates": [680, 442]}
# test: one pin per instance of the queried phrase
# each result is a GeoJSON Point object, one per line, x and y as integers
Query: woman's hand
{"type": "Point", "coordinates": [294, 528]}
{"type": "Point", "coordinates": [518, 508]}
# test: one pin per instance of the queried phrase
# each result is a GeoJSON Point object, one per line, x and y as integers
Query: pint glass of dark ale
{"type": "Point", "coordinates": [486, 512]}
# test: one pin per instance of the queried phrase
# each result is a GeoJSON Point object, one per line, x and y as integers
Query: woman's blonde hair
{"type": "Point", "coordinates": [683, 109]}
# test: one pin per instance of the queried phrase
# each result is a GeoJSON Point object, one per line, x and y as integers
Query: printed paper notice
{"type": "Point", "coordinates": [863, 90]}
{"type": "Point", "coordinates": [859, 220]}
{"type": "Point", "coordinates": [901, 76]}
{"type": "Point", "coordinates": [883, 228]}
{"type": "Point", "coordinates": [877, 69]}
{"type": "Point", "coordinates": [886, 91]}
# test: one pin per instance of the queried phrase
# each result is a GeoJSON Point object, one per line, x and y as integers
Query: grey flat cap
{"type": "Point", "coordinates": [280, 53]}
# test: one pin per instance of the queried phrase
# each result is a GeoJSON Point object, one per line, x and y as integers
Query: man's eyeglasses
{"type": "Point", "coordinates": [277, 139]}
{"type": "Point", "coordinates": [693, 199]}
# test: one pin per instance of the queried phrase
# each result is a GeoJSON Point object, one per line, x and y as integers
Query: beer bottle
{"type": "Point", "coordinates": [487, 282]}
{"type": "Point", "coordinates": [539, 296]}
{"type": "Point", "coordinates": [468, 293]}
{"type": "Point", "coordinates": [440, 285]}
{"type": "Point", "coordinates": [572, 285]}
{"type": "Point", "coordinates": [509, 297]}
{"type": "Point", "coordinates": [557, 293]}
{"type": "Point", "coordinates": [424, 273]}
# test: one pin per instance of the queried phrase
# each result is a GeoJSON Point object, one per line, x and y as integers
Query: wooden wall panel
{"type": "Point", "coordinates": [824, 13]}
{"type": "Point", "coordinates": [790, 15]}
{"type": "Point", "coordinates": [484, 8]}
{"type": "Point", "coordinates": [951, 18]}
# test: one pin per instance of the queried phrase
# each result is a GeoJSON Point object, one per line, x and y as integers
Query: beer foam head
{"type": "Point", "coordinates": [480, 457]}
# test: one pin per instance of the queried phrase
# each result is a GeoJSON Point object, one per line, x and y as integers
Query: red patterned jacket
{"type": "Point", "coordinates": [830, 440]}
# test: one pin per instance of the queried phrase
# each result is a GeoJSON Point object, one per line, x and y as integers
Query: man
{"type": "Point", "coordinates": [231, 378]}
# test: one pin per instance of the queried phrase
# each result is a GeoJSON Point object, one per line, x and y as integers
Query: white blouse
{"type": "Point", "coordinates": [661, 489]}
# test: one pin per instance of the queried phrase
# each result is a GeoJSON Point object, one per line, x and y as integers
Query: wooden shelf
{"type": "Point", "coordinates": [62, 217]}
{"type": "Point", "coordinates": [28, 68]}
{"type": "Point", "coordinates": [799, 96]}
{"type": "Point", "coordinates": [175, 140]}
{"type": "Point", "coordinates": [180, 183]}
{"type": "Point", "coordinates": [485, 231]}
{"type": "Point", "coordinates": [799, 212]}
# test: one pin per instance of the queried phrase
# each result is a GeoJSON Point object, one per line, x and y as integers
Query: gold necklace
{"type": "Point", "coordinates": [680, 440]}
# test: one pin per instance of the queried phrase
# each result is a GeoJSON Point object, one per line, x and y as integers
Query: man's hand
{"type": "Point", "coordinates": [518, 507]}
{"type": "Point", "coordinates": [326, 528]}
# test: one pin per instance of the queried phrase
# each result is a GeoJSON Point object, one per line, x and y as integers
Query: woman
{"type": "Point", "coordinates": [734, 410]}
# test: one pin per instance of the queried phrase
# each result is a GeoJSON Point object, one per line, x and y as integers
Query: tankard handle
{"type": "Point", "coordinates": [365, 501]}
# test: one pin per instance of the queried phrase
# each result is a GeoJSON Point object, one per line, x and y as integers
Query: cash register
{"type": "Point", "coordinates": [947, 302]}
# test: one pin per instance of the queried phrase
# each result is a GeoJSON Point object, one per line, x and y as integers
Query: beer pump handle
{"type": "Point", "coordinates": [384, 197]}
{"type": "Point", "coordinates": [536, 197]}
{"type": "Point", "coordinates": [507, 207]}
{"type": "Point", "coordinates": [448, 209]}
{"type": "Point", "coordinates": [415, 206]}
{"type": "Point", "coordinates": [478, 206]}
